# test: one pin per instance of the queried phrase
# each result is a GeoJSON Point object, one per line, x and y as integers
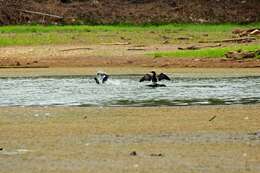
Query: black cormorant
{"type": "Point", "coordinates": [154, 78]}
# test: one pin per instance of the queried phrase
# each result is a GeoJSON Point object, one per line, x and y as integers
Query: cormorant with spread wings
{"type": "Point", "coordinates": [154, 78]}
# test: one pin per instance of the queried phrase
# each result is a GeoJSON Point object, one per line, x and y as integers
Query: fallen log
{"type": "Point", "coordinates": [239, 40]}
{"type": "Point", "coordinates": [40, 13]}
{"type": "Point", "coordinates": [198, 47]}
{"type": "Point", "coordinates": [255, 32]}
{"type": "Point", "coordinates": [80, 48]}
{"type": "Point", "coordinates": [189, 48]}
{"type": "Point", "coordinates": [212, 118]}
{"type": "Point", "coordinates": [247, 32]}
{"type": "Point", "coordinates": [119, 43]}
{"type": "Point", "coordinates": [139, 45]}
{"type": "Point", "coordinates": [136, 49]}
{"type": "Point", "coordinates": [239, 54]}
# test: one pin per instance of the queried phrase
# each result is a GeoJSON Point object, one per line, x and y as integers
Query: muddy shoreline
{"type": "Point", "coordinates": [73, 139]}
{"type": "Point", "coordinates": [107, 56]}
{"type": "Point", "coordinates": [178, 72]}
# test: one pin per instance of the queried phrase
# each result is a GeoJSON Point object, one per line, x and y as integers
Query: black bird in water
{"type": "Point", "coordinates": [101, 77]}
{"type": "Point", "coordinates": [154, 78]}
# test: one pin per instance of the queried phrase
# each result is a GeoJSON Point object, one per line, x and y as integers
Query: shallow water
{"type": "Point", "coordinates": [125, 90]}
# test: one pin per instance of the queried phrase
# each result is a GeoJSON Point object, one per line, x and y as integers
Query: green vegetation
{"type": "Point", "coordinates": [91, 28]}
{"type": "Point", "coordinates": [204, 53]}
{"type": "Point", "coordinates": [87, 34]}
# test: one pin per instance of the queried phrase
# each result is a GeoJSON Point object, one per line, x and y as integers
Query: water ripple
{"type": "Point", "coordinates": [127, 91]}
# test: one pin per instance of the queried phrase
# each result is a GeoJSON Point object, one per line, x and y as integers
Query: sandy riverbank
{"type": "Point", "coordinates": [176, 139]}
{"type": "Point", "coordinates": [109, 56]}
{"type": "Point", "coordinates": [203, 72]}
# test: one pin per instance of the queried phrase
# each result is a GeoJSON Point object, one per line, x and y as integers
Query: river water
{"type": "Point", "coordinates": [125, 90]}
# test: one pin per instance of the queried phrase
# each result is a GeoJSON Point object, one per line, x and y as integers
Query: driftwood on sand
{"type": "Point", "coordinates": [247, 32]}
{"type": "Point", "coordinates": [79, 48]}
{"type": "Point", "coordinates": [136, 49]}
{"type": "Point", "coordinates": [236, 40]}
{"type": "Point", "coordinates": [239, 54]}
{"type": "Point", "coordinates": [40, 13]}
{"type": "Point", "coordinates": [198, 47]}
{"type": "Point", "coordinates": [118, 43]}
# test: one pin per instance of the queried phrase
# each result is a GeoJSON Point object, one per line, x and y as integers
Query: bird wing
{"type": "Point", "coordinates": [105, 78]}
{"type": "Point", "coordinates": [163, 76]}
{"type": "Point", "coordinates": [97, 81]}
{"type": "Point", "coordinates": [146, 77]}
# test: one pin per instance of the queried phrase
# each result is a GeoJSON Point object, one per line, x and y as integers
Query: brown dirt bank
{"type": "Point", "coordinates": [178, 72]}
{"type": "Point", "coordinates": [180, 139]}
{"type": "Point", "coordinates": [106, 56]}
{"type": "Point", "coordinates": [129, 11]}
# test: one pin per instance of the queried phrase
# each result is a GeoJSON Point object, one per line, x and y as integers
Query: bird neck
{"type": "Point", "coordinates": [154, 79]}
{"type": "Point", "coordinates": [154, 74]}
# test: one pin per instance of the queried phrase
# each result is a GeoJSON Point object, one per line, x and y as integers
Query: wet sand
{"type": "Point", "coordinates": [175, 139]}
{"type": "Point", "coordinates": [185, 72]}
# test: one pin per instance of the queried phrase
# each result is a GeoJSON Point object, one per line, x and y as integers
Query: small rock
{"type": "Point", "coordinates": [255, 134]}
{"type": "Point", "coordinates": [133, 153]}
{"type": "Point", "coordinates": [1, 149]}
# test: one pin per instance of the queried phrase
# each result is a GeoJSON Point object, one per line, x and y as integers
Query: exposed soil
{"type": "Point", "coordinates": [128, 11]}
{"type": "Point", "coordinates": [176, 139]}
{"type": "Point", "coordinates": [178, 72]}
{"type": "Point", "coordinates": [106, 56]}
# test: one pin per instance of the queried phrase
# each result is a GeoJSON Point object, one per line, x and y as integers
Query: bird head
{"type": "Point", "coordinates": [153, 72]}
